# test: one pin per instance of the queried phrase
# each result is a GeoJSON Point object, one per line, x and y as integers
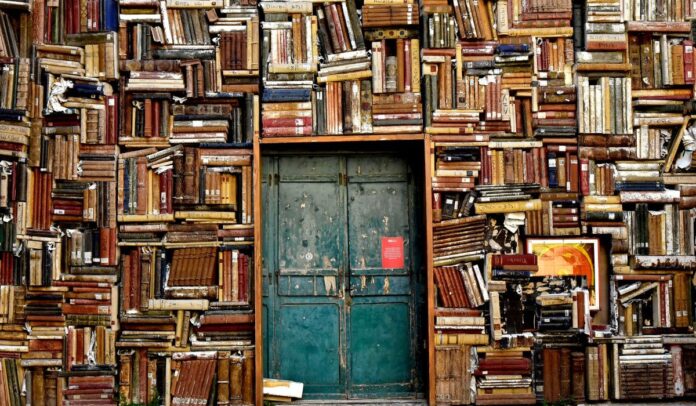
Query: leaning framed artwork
{"type": "Point", "coordinates": [572, 257]}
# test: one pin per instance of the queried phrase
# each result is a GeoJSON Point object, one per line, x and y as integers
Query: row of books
{"type": "Point", "coordinates": [620, 369]}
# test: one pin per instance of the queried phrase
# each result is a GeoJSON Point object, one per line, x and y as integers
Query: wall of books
{"type": "Point", "coordinates": [559, 140]}
{"type": "Point", "coordinates": [127, 202]}
{"type": "Point", "coordinates": [562, 251]}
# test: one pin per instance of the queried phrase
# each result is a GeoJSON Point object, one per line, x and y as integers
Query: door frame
{"type": "Point", "coordinates": [414, 151]}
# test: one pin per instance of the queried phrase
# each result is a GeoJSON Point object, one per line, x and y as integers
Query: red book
{"type": "Point", "coordinates": [226, 318]}
{"type": "Point", "coordinates": [287, 131]}
{"type": "Point", "coordinates": [514, 259]}
{"type": "Point", "coordinates": [286, 122]}
{"type": "Point", "coordinates": [244, 277]}
{"type": "Point", "coordinates": [573, 174]}
{"type": "Point", "coordinates": [485, 166]}
{"type": "Point", "coordinates": [127, 289]}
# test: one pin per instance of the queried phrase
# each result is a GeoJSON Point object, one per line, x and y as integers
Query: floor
{"type": "Point", "coordinates": [375, 402]}
{"type": "Point", "coordinates": [384, 402]}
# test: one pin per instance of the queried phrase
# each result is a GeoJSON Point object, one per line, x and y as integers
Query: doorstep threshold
{"type": "Point", "coordinates": [358, 402]}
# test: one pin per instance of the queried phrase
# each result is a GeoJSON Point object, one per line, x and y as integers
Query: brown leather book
{"type": "Point", "coordinates": [38, 392]}
{"type": "Point", "coordinates": [565, 387]}
{"type": "Point", "coordinates": [578, 376]}
{"type": "Point", "coordinates": [248, 387]}
{"type": "Point", "coordinates": [190, 177]}
{"type": "Point", "coordinates": [223, 378]}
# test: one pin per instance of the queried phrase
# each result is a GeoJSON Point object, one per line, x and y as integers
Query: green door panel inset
{"type": "Point", "coordinates": [375, 211]}
{"type": "Point", "coordinates": [309, 230]}
{"type": "Point", "coordinates": [309, 168]}
{"type": "Point", "coordinates": [380, 343]}
{"type": "Point", "coordinates": [377, 168]}
{"type": "Point", "coordinates": [309, 345]}
{"type": "Point", "coordinates": [380, 285]}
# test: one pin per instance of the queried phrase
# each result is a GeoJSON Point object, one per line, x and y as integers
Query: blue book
{"type": "Point", "coordinates": [286, 95]}
{"type": "Point", "coordinates": [512, 48]}
{"type": "Point", "coordinates": [87, 90]}
{"type": "Point", "coordinates": [126, 194]}
{"type": "Point", "coordinates": [639, 186]}
{"type": "Point", "coordinates": [502, 273]}
{"type": "Point", "coordinates": [110, 15]}
{"type": "Point", "coordinates": [553, 178]}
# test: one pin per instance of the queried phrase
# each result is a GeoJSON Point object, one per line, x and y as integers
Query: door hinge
{"type": "Point", "coordinates": [342, 179]}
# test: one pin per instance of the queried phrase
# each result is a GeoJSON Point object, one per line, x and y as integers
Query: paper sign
{"type": "Point", "coordinates": [393, 252]}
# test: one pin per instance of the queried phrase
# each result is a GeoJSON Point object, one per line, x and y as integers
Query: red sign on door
{"type": "Point", "coordinates": [393, 252]}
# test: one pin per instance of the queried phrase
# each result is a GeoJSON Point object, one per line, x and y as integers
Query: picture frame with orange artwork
{"type": "Point", "coordinates": [569, 257]}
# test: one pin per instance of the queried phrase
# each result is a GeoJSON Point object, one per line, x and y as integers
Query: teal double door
{"type": "Point", "coordinates": [342, 283]}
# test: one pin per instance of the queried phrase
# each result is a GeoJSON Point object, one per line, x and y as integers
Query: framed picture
{"type": "Point", "coordinates": [569, 257]}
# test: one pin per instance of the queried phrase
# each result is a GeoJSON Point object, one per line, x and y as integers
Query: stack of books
{"type": "Point", "coordinates": [645, 370]}
{"type": "Point", "coordinates": [505, 377]}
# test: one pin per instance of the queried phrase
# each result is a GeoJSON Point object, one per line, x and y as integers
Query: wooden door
{"type": "Point", "coordinates": [335, 318]}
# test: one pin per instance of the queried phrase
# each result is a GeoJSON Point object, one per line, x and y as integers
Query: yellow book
{"type": "Point", "coordinates": [415, 62]}
{"type": "Point", "coordinates": [603, 208]}
{"type": "Point", "coordinates": [292, 68]}
{"type": "Point", "coordinates": [602, 199]}
{"type": "Point", "coordinates": [340, 77]}
{"type": "Point", "coordinates": [205, 215]}
{"type": "Point", "coordinates": [461, 339]}
{"type": "Point", "coordinates": [507, 207]}
{"type": "Point", "coordinates": [607, 125]}
{"type": "Point", "coordinates": [294, 7]}
{"type": "Point", "coordinates": [145, 217]}
{"type": "Point", "coordinates": [184, 304]}
{"type": "Point", "coordinates": [504, 391]}
{"type": "Point", "coordinates": [541, 32]}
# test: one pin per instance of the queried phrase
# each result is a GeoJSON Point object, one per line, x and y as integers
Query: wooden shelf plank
{"type": "Point", "coordinates": [342, 138]}
{"type": "Point", "coordinates": [430, 282]}
{"type": "Point", "coordinates": [258, 260]}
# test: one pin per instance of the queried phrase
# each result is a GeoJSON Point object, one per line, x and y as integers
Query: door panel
{"type": "Point", "coordinates": [377, 210]}
{"type": "Point", "coordinates": [381, 325]}
{"type": "Point", "coordinates": [338, 321]}
{"type": "Point", "coordinates": [381, 353]}
{"type": "Point", "coordinates": [310, 345]}
{"type": "Point", "coordinates": [309, 239]}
